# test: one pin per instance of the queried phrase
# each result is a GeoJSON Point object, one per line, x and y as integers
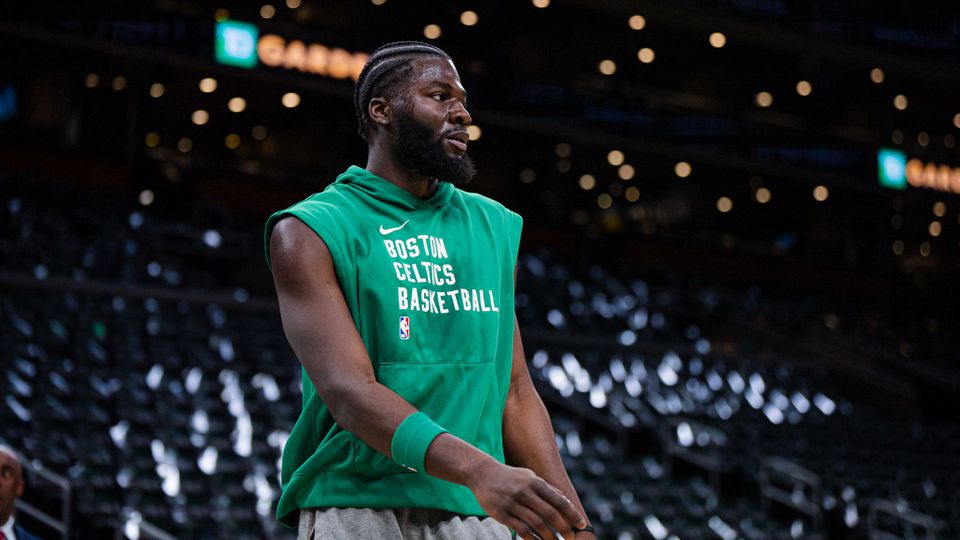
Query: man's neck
{"type": "Point", "coordinates": [384, 165]}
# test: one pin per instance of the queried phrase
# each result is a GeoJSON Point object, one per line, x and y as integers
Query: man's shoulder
{"type": "Point", "coordinates": [475, 200]}
{"type": "Point", "coordinates": [326, 205]}
{"type": "Point", "coordinates": [322, 212]}
{"type": "Point", "coordinates": [333, 195]}
{"type": "Point", "coordinates": [23, 534]}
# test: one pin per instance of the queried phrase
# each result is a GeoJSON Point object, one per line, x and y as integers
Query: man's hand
{"type": "Point", "coordinates": [528, 437]}
{"type": "Point", "coordinates": [526, 503]}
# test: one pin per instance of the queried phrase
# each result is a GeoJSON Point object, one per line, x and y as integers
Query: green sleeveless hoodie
{"type": "Point", "coordinates": [430, 286]}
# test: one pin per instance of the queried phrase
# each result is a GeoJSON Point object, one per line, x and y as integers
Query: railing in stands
{"type": "Point", "coordinates": [888, 520]}
{"type": "Point", "coordinates": [37, 471]}
{"type": "Point", "coordinates": [134, 527]}
{"type": "Point", "coordinates": [791, 485]}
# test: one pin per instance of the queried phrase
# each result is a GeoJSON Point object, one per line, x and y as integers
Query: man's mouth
{"type": "Point", "coordinates": [458, 141]}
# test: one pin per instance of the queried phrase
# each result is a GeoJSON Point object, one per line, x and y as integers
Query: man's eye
{"type": "Point", "coordinates": [439, 96]}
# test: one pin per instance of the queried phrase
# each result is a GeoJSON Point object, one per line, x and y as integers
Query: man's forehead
{"type": "Point", "coordinates": [435, 68]}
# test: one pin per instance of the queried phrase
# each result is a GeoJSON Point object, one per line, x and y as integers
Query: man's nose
{"type": "Point", "coordinates": [459, 114]}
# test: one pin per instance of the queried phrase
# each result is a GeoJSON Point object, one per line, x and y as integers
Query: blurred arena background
{"type": "Point", "coordinates": [737, 285]}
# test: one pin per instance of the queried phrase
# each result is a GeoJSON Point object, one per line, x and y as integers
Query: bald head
{"type": "Point", "coordinates": [11, 481]}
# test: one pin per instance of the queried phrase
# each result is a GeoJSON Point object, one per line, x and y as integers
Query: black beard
{"type": "Point", "coordinates": [421, 152]}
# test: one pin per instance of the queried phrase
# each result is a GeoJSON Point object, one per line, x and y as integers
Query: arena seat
{"type": "Point", "coordinates": [131, 367]}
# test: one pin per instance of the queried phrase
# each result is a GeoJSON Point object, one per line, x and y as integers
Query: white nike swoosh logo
{"type": "Point", "coordinates": [393, 229]}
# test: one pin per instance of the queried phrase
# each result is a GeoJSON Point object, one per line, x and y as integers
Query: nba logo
{"type": "Point", "coordinates": [404, 327]}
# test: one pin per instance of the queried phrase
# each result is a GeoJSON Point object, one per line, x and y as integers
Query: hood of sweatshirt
{"type": "Point", "coordinates": [383, 190]}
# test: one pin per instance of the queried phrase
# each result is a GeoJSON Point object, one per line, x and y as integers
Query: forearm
{"type": "Point", "coordinates": [369, 410]}
{"type": "Point", "coordinates": [525, 497]}
{"type": "Point", "coordinates": [455, 460]}
{"type": "Point", "coordinates": [528, 440]}
{"type": "Point", "coordinates": [373, 415]}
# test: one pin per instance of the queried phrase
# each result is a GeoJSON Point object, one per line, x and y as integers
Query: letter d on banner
{"type": "Point", "coordinates": [235, 44]}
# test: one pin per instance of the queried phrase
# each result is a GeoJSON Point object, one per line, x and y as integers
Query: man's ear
{"type": "Point", "coordinates": [380, 111]}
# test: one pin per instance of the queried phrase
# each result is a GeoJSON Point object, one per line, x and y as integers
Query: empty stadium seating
{"type": "Point", "coordinates": [154, 382]}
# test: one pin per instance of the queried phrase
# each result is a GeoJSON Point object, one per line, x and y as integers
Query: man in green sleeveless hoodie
{"type": "Point", "coordinates": [396, 293]}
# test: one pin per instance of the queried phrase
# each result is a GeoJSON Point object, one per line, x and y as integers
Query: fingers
{"type": "Point", "coordinates": [547, 511]}
{"type": "Point", "coordinates": [529, 505]}
{"type": "Point", "coordinates": [519, 527]}
{"type": "Point", "coordinates": [546, 519]}
{"type": "Point", "coordinates": [536, 526]}
{"type": "Point", "coordinates": [567, 515]}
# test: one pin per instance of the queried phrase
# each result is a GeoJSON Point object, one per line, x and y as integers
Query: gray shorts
{"type": "Point", "coordinates": [396, 524]}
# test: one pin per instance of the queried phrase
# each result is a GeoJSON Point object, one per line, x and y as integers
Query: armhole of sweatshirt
{"type": "Point", "coordinates": [323, 233]}
{"type": "Point", "coordinates": [516, 232]}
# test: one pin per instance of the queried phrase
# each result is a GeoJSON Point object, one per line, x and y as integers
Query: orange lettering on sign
{"type": "Point", "coordinates": [914, 171]}
{"type": "Point", "coordinates": [943, 178]}
{"type": "Point", "coordinates": [317, 59]}
{"type": "Point", "coordinates": [339, 63]}
{"type": "Point", "coordinates": [296, 56]}
{"type": "Point", "coordinates": [270, 49]}
{"type": "Point", "coordinates": [955, 180]}
{"type": "Point", "coordinates": [274, 51]}
{"type": "Point", "coordinates": [359, 60]}
{"type": "Point", "coordinates": [933, 176]}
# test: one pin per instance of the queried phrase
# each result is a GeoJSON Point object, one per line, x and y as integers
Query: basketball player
{"type": "Point", "coordinates": [396, 292]}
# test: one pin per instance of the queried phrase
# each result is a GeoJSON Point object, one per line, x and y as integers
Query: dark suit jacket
{"type": "Point", "coordinates": [23, 534]}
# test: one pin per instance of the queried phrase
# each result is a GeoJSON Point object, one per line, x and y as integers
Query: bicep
{"type": "Point", "coordinates": [519, 375]}
{"type": "Point", "coordinates": [315, 316]}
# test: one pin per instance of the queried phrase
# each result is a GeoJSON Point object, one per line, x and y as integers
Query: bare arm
{"type": "Point", "coordinates": [528, 437]}
{"type": "Point", "coordinates": [321, 331]}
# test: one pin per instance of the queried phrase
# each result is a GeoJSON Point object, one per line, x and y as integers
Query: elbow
{"type": "Point", "coordinates": [523, 398]}
{"type": "Point", "coordinates": [346, 415]}
{"type": "Point", "coordinates": [349, 393]}
{"type": "Point", "coordinates": [522, 389]}
{"type": "Point", "coordinates": [344, 404]}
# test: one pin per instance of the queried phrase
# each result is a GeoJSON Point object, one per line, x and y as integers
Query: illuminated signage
{"type": "Point", "coordinates": [274, 51]}
{"type": "Point", "coordinates": [896, 171]}
{"type": "Point", "coordinates": [930, 175]}
{"type": "Point", "coordinates": [8, 103]}
{"type": "Point", "coordinates": [238, 44]}
{"type": "Point", "coordinates": [892, 168]}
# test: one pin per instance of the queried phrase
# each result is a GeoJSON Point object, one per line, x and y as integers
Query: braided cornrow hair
{"type": "Point", "coordinates": [386, 66]}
